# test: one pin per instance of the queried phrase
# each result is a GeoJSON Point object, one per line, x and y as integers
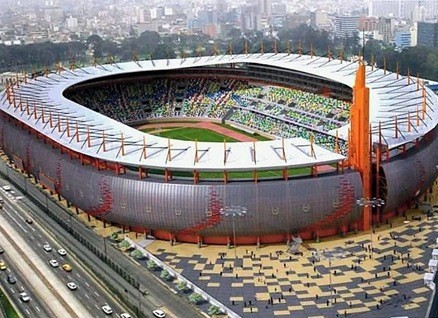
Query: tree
{"type": "Point", "coordinates": [138, 255]}
{"type": "Point", "coordinates": [163, 52]}
{"type": "Point", "coordinates": [234, 34]}
{"type": "Point", "coordinates": [166, 275]}
{"type": "Point", "coordinates": [124, 244]}
{"type": "Point", "coordinates": [114, 236]}
{"type": "Point", "coordinates": [149, 41]}
{"type": "Point", "coordinates": [182, 286]}
{"type": "Point", "coordinates": [214, 310]}
{"type": "Point", "coordinates": [196, 298]}
{"type": "Point", "coordinates": [151, 265]}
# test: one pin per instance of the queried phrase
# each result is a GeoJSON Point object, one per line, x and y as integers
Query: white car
{"type": "Point", "coordinates": [54, 263]}
{"type": "Point", "coordinates": [125, 315]}
{"type": "Point", "coordinates": [62, 252]}
{"type": "Point", "coordinates": [159, 313]}
{"type": "Point", "coordinates": [24, 297]}
{"type": "Point", "coordinates": [72, 286]}
{"type": "Point", "coordinates": [107, 309]}
{"type": "Point", "coordinates": [47, 248]}
{"type": "Point", "coordinates": [6, 188]}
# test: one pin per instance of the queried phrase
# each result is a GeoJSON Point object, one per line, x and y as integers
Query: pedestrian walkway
{"type": "Point", "coordinates": [365, 275]}
{"type": "Point", "coordinates": [376, 274]}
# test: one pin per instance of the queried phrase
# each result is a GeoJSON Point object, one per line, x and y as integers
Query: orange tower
{"type": "Point", "coordinates": [359, 142]}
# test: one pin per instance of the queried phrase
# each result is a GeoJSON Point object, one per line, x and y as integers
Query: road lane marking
{"type": "Point", "coordinates": [13, 219]}
{"type": "Point", "coordinates": [96, 294]}
{"type": "Point", "coordinates": [37, 308]}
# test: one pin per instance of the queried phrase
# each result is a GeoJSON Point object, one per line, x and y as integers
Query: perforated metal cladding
{"type": "Point", "coordinates": [270, 207]}
{"type": "Point", "coordinates": [411, 174]}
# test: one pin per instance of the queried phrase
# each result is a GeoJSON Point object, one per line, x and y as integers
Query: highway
{"type": "Point", "coordinates": [89, 292]}
{"type": "Point", "coordinates": [33, 308]}
{"type": "Point", "coordinates": [139, 288]}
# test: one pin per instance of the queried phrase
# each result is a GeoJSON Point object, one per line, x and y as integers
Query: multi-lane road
{"type": "Point", "coordinates": [33, 308]}
{"type": "Point", "coordinates": [82, 245]}
{"type": "Point", "coordinates": [89, 293]}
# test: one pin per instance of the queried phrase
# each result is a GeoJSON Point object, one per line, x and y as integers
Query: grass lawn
{"type": "Point", "coordinates": [7, 307]}
{"type": "Point", "coordinates": [189, 133]}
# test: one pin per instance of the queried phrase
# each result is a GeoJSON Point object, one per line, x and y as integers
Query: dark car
{"type": "Point", "coordinates": [11, 279]}
{"type": "Point", "coordinates": [1, 250]}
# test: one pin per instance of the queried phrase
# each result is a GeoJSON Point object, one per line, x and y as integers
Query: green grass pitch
{"type": "Point", "coordinates": [200, 134]}
{"type": "Point", "coordinates": [189, 133]}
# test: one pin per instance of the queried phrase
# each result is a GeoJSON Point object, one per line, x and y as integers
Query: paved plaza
{"type": "Point", "coordinates": [364, 275]}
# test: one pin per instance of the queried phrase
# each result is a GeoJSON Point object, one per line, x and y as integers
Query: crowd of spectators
{"type": "Point", "coordinates": [278, 111]}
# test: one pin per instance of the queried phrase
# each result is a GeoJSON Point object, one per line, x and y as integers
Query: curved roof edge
{"type": "Point", "coordinates": [395, 101]}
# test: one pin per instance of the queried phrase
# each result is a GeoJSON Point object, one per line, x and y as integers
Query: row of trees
{"type": "Point", "coordinates": [420, 60]}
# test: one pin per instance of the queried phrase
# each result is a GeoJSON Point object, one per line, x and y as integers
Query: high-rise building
{"type": "Point", "coordinates": [419, 13]}
{"type": "Point", "coordinates": [249, 18]}
{"type": "Point", "coordinates": [265, 8]}
{"type": "Point", "coordinates": [403, 9]}
{"type": "Point", "coordinates": [368, 23]}
{"type": "Point", "coordinates": [346, 26]}
{"type": "Point", "coordinates": [414, 34]}
{"type": "Point", "coordinates": [386, 29]}
{"type": "Point", "coordinates": [427, 34]}
{"type": "Point", "coordinates": [402, 39]}
{"type": "Point", "coordinates": [319, 19]}
{"type": "Point", "coordinates": [72, 23]}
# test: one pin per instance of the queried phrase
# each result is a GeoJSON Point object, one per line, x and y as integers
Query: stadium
{"type": "Point", "coordinates": [351, 145]}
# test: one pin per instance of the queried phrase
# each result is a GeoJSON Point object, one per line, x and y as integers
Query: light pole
{"type": "Point", "coordinates": [233, 211]}
{"type": "Point", "coordinates": [374, 203]}
{"type": "Point", "coordinates": [329, 255]}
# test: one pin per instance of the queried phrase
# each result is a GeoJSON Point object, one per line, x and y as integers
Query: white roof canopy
{"type": "Point", "coordinates": [39, 100]}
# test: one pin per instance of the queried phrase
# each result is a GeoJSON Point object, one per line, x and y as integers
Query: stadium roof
{"type": "Point", "coordinates": [395, 101]}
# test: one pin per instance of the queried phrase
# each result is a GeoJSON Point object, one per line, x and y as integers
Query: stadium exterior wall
{"type": "Point", "coordinates": [274, 210]}
{"type": "Point", "coordinates": [411, 173]}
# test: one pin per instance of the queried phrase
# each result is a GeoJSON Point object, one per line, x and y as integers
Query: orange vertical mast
{"type": "Point", "coordinates": [359, 147]}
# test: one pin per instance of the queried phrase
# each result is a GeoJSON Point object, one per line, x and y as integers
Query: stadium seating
{"type": "Point", "coordinates": [278, 111]}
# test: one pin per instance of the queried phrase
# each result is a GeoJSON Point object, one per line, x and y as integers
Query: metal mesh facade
{"type": "Point", "coordinates": [271, 207]}
{"type": "Point", "coordinates": [410, 174]}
